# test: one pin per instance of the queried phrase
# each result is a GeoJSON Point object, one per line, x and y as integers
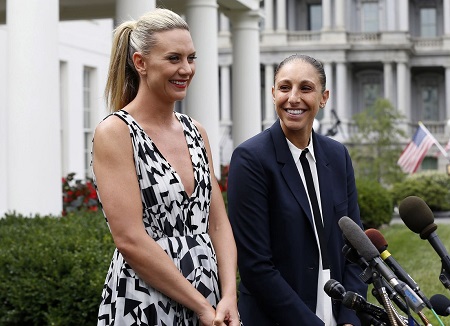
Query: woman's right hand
{"type": "Point", "coordinates": [207, 317]}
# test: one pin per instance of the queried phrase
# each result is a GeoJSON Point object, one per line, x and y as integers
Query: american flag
{"type": "Point", "coordinates": [446, 148]}
{"type": "Point", "coordinates": [416, 150]}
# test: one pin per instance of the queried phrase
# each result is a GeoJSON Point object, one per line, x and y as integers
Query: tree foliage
{"type": "Point", "coordinates": [374, 147]}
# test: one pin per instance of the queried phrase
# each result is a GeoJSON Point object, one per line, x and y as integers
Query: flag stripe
{"type": "Point", "coordinates": [416, 150]}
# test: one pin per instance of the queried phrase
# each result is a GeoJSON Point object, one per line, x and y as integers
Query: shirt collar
{"type": "Point", "coordinates": [295, 151]}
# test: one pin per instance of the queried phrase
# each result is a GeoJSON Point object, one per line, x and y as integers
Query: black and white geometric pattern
{"type": "Point", "coordinates": [178, 223]}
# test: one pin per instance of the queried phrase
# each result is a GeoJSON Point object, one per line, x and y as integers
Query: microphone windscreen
{"type": "Point", "coordinates": [334, 289]}
{"type": "Point", "coordinates": [357, 238]}
{"type": "Point", "coordinates": [377, 239]}
{"type": "Point", "coordinates": [426, 232]}
{"type": "Point", "coordinates": [415, 213]}
{"type": "Point", "coordinates": [441, 304]}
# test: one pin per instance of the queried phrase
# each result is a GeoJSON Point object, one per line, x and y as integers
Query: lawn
{"type": "Point", "coordinates": [420, 261]}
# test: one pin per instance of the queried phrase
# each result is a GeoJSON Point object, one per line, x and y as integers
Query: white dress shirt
{"type": "Point", "coordinates": [323, 307]}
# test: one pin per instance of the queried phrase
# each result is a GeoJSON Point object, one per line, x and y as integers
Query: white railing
{"type": "Point", "coordinates": [364, 37]}
{"type": "Point", "coordinates": [424, 43]}
{"type": "Point", "coordinates": [303, 36]}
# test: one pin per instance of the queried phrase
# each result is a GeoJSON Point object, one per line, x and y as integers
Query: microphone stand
{"type": "Point", "coordinates": [334, 128]}
{"type": "Point", "coordinates": [444, 277]}
{"type": "Point", "coordinates": [393, 315]}
{"type": "Point", "coordinates": [369, 320]}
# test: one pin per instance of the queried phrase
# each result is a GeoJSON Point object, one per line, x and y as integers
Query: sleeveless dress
{"type": "Point", "coordinates": [179, 224]}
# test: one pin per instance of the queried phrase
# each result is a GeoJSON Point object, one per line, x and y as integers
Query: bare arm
{"type": "Point", "coordinates": [223, 241]}
{"type": "Point", "coordinates": [120, 195]}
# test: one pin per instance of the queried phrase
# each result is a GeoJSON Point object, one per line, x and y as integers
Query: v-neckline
{"type": "Point", "coordinates": [172, 169]}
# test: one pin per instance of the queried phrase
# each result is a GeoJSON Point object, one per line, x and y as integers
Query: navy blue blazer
{"type": "Point", "coordinates": [278, 258]}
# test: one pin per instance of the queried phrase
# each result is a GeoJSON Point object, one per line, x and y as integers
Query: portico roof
{"type": "Point", "coordinates": [99, 9]}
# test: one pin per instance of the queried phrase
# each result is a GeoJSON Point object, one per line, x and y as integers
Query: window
{"type": "Point", "coordinates": [369, 87]}
{"type": "Point", "coordinates": [369, 17]}
{"type": "Point", "coordinates": [428, 25]}
{"type": "Point", "coordinates": [430, 102]}
{"type": "Point", "coordinates": [314, 17]}
{"type": "Point", "coordinates": [87, 118]}
{"type": "Point", "coordinates": [429, 163]}
{"type": "Point", "coordinates": [371, 91]}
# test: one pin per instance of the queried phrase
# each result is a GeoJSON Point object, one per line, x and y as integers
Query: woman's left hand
{"type": "Point", "coordinates": [227, 313]}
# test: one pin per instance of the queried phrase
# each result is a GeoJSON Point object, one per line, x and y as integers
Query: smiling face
{"type": "Point", "coordinates": [169, 68]}
{"type": "Point", "coordinates": [298, 95]}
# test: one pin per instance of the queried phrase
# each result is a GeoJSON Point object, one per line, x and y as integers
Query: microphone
{"type": "Point", "coordinates": [419, 218]}
{"type": "Point", "coordinates": [367, 319]}
{"type": "Point", "coordinates": [334, 289]}
{"type": "Point", "coordinates": [352, 255]}
{"type": "Point", "coordinates": [381, 244]}
{"type": "Point", "coordinates": [367, 250]}
{"type": "Point", "coordinates": [441, 304]}
{"type": "Point", "coordinates": [354, 301]}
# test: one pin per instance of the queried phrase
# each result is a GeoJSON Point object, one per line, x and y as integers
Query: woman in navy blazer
{"type": "Point", "coordinates": [278, 255]}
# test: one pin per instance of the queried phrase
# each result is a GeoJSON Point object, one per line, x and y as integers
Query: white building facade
{"type": "Point", "coordinates": [54, 57]}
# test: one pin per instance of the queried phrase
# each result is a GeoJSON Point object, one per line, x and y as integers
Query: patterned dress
{"type": "Point", "coordinates": [178, 223]}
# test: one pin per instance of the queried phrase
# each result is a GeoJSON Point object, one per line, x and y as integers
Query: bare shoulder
{"type": "Point", "coordinates": [111, 136]}
{"type": "Point", "coordinates": [111, 129]}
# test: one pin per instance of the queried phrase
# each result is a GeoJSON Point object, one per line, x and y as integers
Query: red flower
{"type": "Point", "coordinates": [78, 195]}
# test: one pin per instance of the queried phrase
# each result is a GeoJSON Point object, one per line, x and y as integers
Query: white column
{"type": "Point", "coordinates": [388, 82]}
{"type": "Point", "coordinates": [446, 16]}
{"type": "Point", "coordinates": [224, 38]}
{"type": "Point", "coordinates": [201, 15]}
{"type": "Point", "coordinates": [403, 15]}
{"type": "Point", "coordinates": [3, 123]}
{"type": "Point", "coordinates": [226, 142]}
{"type": "Point", "coordinates": [246, 100]}
{"type": "Point", "coordinates": [341, 107]}
{"type": "Point", "coordinates": [72, 119]}
{"type": "Point", "coordinates": [281, 15]}
{"type": "Point", "coordinates": [268, 13]}
{"type": "Point", "coordinates": [339, 10]}
{"type": "Point", "coordinates": [33, 151]}
{"type": "Point", "coordinates": [224, 23]}
{"type": "Point", "coordinates": [326, 14]}
{"type": "Point", "coordinates": [327, 114]}
{"type": "Point", "coordinates": [225, 95]}
{"type": "Point", "coordinates": [403, 93]}
{"type": "Point", "coordinates": [343, 110]}
{"type": "Point", "coordinates": [391, 15]}
{"type": "Point", "coordinates": [132, 9]}
{"type": "Point", "coordinates": [447, 92]}
{"type": "Point", "coordinates": [269, 110]}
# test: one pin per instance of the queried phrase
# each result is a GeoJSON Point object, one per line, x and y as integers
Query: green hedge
{"type": "Point", "coordinates": [52, 269]}
{"type": "Point", "coordinates": [432, 186]}
{"type": "Point", "coordinates": [375, 203]}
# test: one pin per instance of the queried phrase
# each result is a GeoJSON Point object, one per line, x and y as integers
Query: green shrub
{"type": "Point", "coordinates": [375, 203]}
{"type": "Point", "coordinates": [432, 186]}
{"type": "Point", "coordinates": [52, 269]}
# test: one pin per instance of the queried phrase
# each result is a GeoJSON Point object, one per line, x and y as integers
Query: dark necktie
{"type": "Point", "coordinates": [315, 207]}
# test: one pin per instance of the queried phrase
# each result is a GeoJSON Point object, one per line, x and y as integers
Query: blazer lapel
{"type": "Point", "coordinates": [289, 169]}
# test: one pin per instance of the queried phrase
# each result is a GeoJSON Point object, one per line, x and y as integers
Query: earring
{"type": "Point", "coordinates": [322, 105]}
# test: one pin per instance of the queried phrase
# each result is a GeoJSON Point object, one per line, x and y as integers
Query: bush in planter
{"type": "Point", "coordinates": [78, 195]}
{"type": "Point", "coordinates": [53, 269]}
{"type": "Point", "coordinates": [432, 186]}
{"type": "Point", "coordinates": [375, 203]}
